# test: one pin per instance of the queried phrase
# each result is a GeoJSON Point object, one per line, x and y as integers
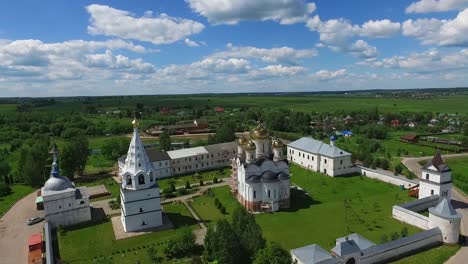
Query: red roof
{"type": "Point", "coordinates": [35, 239]}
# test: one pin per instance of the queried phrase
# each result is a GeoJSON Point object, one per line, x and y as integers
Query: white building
{"type": "Point", "coordinates": [260, 178]}
{"type": "Point", "coordinates": [320, 157]}
{"type": "Point", "coordinates": [436, 179]}
{"type": "Point", "coordinates": [139, 192]}
{"type": "Point", "coordinates": [63, 203]}
{"type": "Point", "coordinates": [161, 163]}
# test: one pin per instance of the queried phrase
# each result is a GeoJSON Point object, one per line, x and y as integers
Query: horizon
{"type": "Point", "coordinates": [106, 48]}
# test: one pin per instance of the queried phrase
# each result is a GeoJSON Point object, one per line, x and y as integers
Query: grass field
{"type": "Point", "coordinates": [459, 168]}
{"type": "Point", "coordinates": [17, 192]}
{"type": "Point", "coordinates": [434, 256]}
{"type": "Point", "coordinates": [100, 241]}
{"type": "Point", "coordinates": [205, 176]}
{"type": "Point", "coordinates": [111, 185]}
{"type": "Point", "coordinates": [319, 217]}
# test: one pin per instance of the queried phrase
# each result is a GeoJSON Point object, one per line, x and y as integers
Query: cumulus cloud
{"type": "Point", "coordinates": [324, 75]}
{"type": "Point", "coordinates": [161, 29]}
{"type": "Point", "coordinates": [272, 71]}
{"type": "Point", "coordinates": [233, 11]}
{"type": "Point", "coordinates": [337, 33]}
{"type": "Point", "coordinates": [284, 55]}
{"type": "Point", "coordinates": [110, 61]}
{"type": "Point", "coordinates": [191, 43]}
{"type": "Point", "coordinates": [439, 32]}
{"type": "Point", "coordinates": [428, 6]}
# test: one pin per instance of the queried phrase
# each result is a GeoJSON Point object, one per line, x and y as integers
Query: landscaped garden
{"type": "Point", "coordinates": [318, 214]}
{"type": "Point", "coordinates": [18, 191]}
{"type": "Point", "coordinates": [96, 242]}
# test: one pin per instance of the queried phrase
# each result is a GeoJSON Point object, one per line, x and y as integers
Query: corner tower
{"type": "Point", "coordinates": [140, 199]}
{"type": "Point", "coordinates": [436, 179]}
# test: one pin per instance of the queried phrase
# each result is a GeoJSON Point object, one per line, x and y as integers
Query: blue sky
{"type": "Point", "coordinates": [70, 48]}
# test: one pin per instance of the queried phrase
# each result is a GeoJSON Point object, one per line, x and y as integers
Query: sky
{"type": "Point", "coordinates": [129, 47]}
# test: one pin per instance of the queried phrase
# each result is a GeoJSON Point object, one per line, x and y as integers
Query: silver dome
{"type": "Point", "coordinates": [58, 183]}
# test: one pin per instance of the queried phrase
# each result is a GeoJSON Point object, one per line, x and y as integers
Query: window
{"type": "Point", "coordinates": [432, 192]}
{"type": "Point", "coordinates": [139, 164]}
{"type": "Point", "coordinates": [308, 157]}
{"type": "Point", "coordinates": [69, 204]}
{"type": "Point", "coordinates": [60, 207]}
{"type": "Point", "coordinates": [312, 157]}
{"type": "Point", "coordinates": [341, 162]}
{"type": "Point", "coordinates": [255, 194]}
{"type": "Point", "coordinates": [129, 180]}
{"type": "Point", "coordinates": [325, 161]}
{"type": "Point", "coordinates": [268, 193]}
{"type": "Point", "coordinates": [427, 176]}
{"type": "Point", "coordinates": [141, 179]}
{"type": "Point", "coordinates": [82, 202]}
{"type": "Point", "coordinates": [141, 210]}
{"type": "Point", "coordinates": [143, 223]}
{"type": "Point", "coordinates": [151, 176]}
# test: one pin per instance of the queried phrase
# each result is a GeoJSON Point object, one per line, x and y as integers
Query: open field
{"type": "Point", "coordinates": [434, 256]}
{"type": "Point", "coordinates": [100, 241]}
{"type": "Point", "coordinates": [18, 191]}
{"type": "Point", "coordinates": [319, 217]}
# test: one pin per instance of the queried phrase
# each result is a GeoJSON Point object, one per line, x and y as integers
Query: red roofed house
{"type": "Point", "coordinates": [219, 109]}
{"type": "Point", "coordinates": [395, 123]}
{"type": "Point", "coordinates": [410, 138]}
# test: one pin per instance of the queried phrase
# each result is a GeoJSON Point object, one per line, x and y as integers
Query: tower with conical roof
{"type": "Point", "coordinates": [436, 179]}
{"type": "Point", "coordinates": [139, 191]}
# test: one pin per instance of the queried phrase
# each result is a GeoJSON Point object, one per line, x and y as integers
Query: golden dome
{"type": "Point", "coordinates": [135, 123]}
{"type": "Point", "coordinates": [277, 143]}
{"type": "Point", "coordinates": [260, 132]}
{"type": "Point", "coordinates": [242, 140]}
{"type": "Point", "coordinates": [250, 146]}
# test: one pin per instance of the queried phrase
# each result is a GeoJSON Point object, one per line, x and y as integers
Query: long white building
{"type": "Point", "coordinates": [260, 174]}
{"type": "Point", "coordinates": [63, 203]}
{"type": "Point", "coordinates": [317, 156]}
{"type": "Point", "coordinates": [139, 192]}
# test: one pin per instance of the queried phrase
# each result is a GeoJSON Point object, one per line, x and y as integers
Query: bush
{"type": "Point", "coordinates": [172, 186]}
{"type": "Point", "coordinates": [383, 239]}
{"type": "Point", "coordinates": [222, 209]}
{"type": "Point", "coordinates": [181, 245]}
{"type": "Point", "coordinates": [167, 190]}
{"type": "Point", "coordinates": [187, 185]}
{"type": "Point", "coordinates": [215, 180]}
{"type": "Point", "coordinates": [201, 183]}
{"type": "Point", "coordinates": [182, 191]}
{"type": "Point", "coordinates": [404, 232]}
{"type": "Point", "coordinates": [395, 236]}
{"type": "Point", "coordinates": [217, 203]}
{"type": "Point", "coordinates": [4, 189]}
{"type": "Point", "coordinates": [398, 169]}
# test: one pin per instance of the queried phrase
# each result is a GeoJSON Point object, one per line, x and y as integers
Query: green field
{"type": "Point", "coordinates": [191, 178]}
{"type": "Point", "coordinates": [459, 168]}
{"type": "Point", "coordinates": [100, 241]}
{"type": "Point", "coordinates": [434, 256]}
{"type": "Point", "coordinates": [319, 217]}
{"type": "Point", "coordinates": [18, 191]}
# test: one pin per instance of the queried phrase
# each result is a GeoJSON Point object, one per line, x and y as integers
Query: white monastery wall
{"type": "Point", "coordinates": [382, 176]}
{"type": "Point", "coordinates": [410, 217]}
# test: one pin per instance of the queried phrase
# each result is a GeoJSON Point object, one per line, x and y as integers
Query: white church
{"type": "Point", "coordinates": [139, 192]}
{"type": "Point", "coordinates": [260, 174]}
{"type": "Point", "coordinates": [63, 203]}
{"type": "Point", "coordinates": [436, 179]}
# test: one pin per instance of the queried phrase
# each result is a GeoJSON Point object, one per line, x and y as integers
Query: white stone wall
{"type": "Point", "coordinates": [450, 228]}
{"type": "Point", "coordinates": [428, 189]}
{"type": "Point", "coordinates": [306, 160]}
{"type": "Point", "coordinates": [410, 217]}
{"type": "Point", "coordinates": [62, 208]}
{"type": "Point", "coordinates": [162, 169]}
{"type": "Point", "coordinates": [142, 221]}
{"type": "Point", "coordinates": [141, 209]}
{"type": "Point", "coordinates": [129, 196]}
{"type": "Point", "coordinates": [69, 217]}
{"type": "Point", "coordinates": [380, 175]}
{"type": "Point", "coordinates": [142, 206]}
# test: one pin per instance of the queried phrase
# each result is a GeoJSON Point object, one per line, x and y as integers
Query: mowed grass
{"type": "Point", "coordinates": [18, 191]}
{"type": "Point", "coordinates": [434, 256]}
{"type": "Point", "coordinates": [82, 244]}
{"type": "Point", "coordinates": [459, 168]}
{"type": "Point", "coordinates": [319, 216]}
{"type": "Point", "coordinates": [191, 178]}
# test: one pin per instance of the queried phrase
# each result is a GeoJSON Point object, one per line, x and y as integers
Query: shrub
{"type": "Point", "coordinates": [215, 180]}
{"type": "Point", "coordinates": [404, 232]}
{"type": "Point", "coordinates": [395, 236]}
{"type": "Point", "coordinates": [187, 185]}
{"type": "Point", "coordinates": [222, 209]}
{"type": "Point", "coordinates": [4, 189]}
{"type": "Point", "coordinates": [182, 244]}
{"type": "Point", "coordinates": [201, 183]}
{"type": "Point", "coordinates": [172, 186]}
{"type": "Point", "coordinates": [398, 169]}
{"type": "Point", "coordinates": [182, 191]}
{"type": "Point", "coordinates": [217, 202]}
{"type": "Point", "coordinates": [383, 239]}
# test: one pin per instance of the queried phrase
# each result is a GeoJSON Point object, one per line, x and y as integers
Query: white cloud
{"type": "Point", "coordinates": [439, 32]}
{"type": "Point", "coordinates": [337, 33]}
{"type": "Point", "coordinates": [285, 55]}
{"type": "Point", "coordinates": [233, 11]}
{"type": "Point", "coordinates": [324, 75]}
{"type": "Point", "coordinates": [109, 61]}
{"type": "Point", "coordinates": [272, 71]}
{"type": "Point", "coordinates": [428, 6]}
{"type": "Point", "coordinates": [191, 43]}
{"type": "Point", "coordinates": [162, 29]}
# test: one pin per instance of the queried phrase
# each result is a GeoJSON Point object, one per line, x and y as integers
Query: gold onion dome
{"type": "Point", "coordinates": [260, 132]}
{"type": "Point", "coordinates": [135, 123]}
{"type": "Point", "coordinates": [242, 140]}
{"type": "Point", "coordinates": [277, 143]}
{"type": "Point", "coordinates": [250, 146]}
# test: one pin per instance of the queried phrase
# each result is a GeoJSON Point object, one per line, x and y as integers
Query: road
{"type": "Point", "coordinates": [459, 201]}
{"type": "Point", "coordinates": [14, 233]}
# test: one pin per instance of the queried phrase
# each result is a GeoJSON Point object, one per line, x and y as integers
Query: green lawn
{"type": "Point", "coordinates": [111, 185]}
{"type": "Point", "coordinates": [320, 216]}
{"type": "Point", "coordinates": [434, 256]}
{"type": "Point", "coordinates": [18, 191]}
{"type": "Point", "coordinates": [83, 244]}
{"type": "Point", "coordinates": [459, 168]}
{"type": "Point", "coordinates": [206, 176]}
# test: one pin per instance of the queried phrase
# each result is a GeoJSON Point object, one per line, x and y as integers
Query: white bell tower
{"type": "Point", "coordinates": [436, 179]}
{"type": "Point", "coordinates": [140, 199]}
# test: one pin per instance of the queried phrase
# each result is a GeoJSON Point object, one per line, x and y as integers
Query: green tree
{"type": "Point", "coordinates": [398, 169]}
{"type": "Point", "coordinates": [74, 155]}
{"type": "Point", "coordinates": [114, 148]}
{"type": "Point", "coordinates": [223, 245]}
{"type": "Point", "coordinates": [272, 254]}
{"type": "Point", "coordinates": [248, 231]}
{"type": "Point", "coordinates": [180, 245]}
{"type": "Point", "coordinates": [165, 141]}
{"type": "Point", "coordinates": [33, 161]}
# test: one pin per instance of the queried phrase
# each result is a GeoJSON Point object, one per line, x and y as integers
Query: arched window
{"type": "Point", "coordinates": [141, 210]}
{"type": "Point", "coordinates": [141, 179]}
{"type": "Point", "coordinates": [129, 180]}
{"type": "Point", "coordinates": [341, 162]}
{"type": "Point", "coordinates": [82, 202]}
{"type": "Point", "coordinates": [432, 192]}
{"type": "Point", "coordinates": [151, 176]}
{"type": "Point", "coordinates": [427, 176]}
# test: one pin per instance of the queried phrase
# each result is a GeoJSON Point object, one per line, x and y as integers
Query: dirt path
{"type": "Point", "coordinates": [459, 201]}
{"type": "Point", "coordinates": [14, 233]}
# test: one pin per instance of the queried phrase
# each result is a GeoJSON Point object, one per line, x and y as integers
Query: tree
{"type": "Point", "coordinates": [224, 133]}
{"type": "Point", "coordinates": [187, 185]}
{"type": "Point", "coordinates": [404, 232]}
{"type": "Point", "coordinates": [223, 245]}
{"type": "Point", "coordinates": [74, 155]}
{"type": "Point", "coordinates": [180, 245]}
{"type": "Point", "coordinates": [398, 169]}
{"type": "Point", "coordinates": [32, 161]}
{"type": "Point", "coordinates": [272, 254]}
{"type": "Point", "coordinates": [248, 231]}
{"type": "Point", "coordinates": [384, 164]}
{"type": "Point", "coordinates": [114, 148]}
{"type": "Point", "coordinates": [155, 258]}
{"type": "Point", "coordinates": [165, 141]}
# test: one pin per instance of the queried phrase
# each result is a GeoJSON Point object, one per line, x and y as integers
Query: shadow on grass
{"type": "Point", "coordinates": [181, 220]}
{"type": "Point", "coordinates": [300, 200]}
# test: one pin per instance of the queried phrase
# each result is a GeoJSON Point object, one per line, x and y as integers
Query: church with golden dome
{"type": "Point", "coordinates": [260, 174]}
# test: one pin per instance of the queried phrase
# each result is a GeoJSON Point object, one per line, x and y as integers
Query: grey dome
{"type": "Point", "coordinates": [253, 179]}
{"type": "Point", "coordinates": [283, 176]}
{"type": "Point", "coordinates": [58, 183]}
{"type": "Point", "coordinates": [269, 176]}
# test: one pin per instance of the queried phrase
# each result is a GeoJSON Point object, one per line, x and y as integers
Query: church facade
{"type": "Point", "coordinates": [139, 191]}
{"type": "Point", "coordinates": [63, 203]}
{"type": "Point", "coordinates": [260, 175]}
